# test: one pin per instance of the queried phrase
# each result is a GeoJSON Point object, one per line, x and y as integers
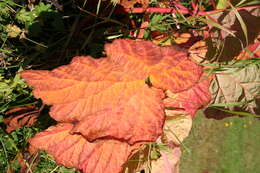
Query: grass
{"type": "Point", "coordinates": [46, 35]}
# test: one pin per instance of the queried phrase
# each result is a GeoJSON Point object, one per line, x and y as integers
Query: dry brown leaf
{"type": "Point", "coordinates": [168, 162]}
{"type": "Point", "coordinates": [176, 129]}
{"type": "Point", "coordinates": [234, 45]}
{"type": "Point", "coordinates": [237, 85]}
{"type": "Point", "coordinates": [185, 40]}
{"type": "Point", "coordinates": [198, 51]}
{"type": "Point", "coordinates": [181, 38]}
{"type": "Point", "coordinates": [21, 116]}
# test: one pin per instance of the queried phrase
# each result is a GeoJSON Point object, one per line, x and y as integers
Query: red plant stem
{"type": "Point", "coordinates": [183, 11]}
{"type": "Point", "coordinates": [155, 10]}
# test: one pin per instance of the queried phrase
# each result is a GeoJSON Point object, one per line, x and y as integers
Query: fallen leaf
{"type": "Point", "coordinates": [185, 40]}
{"type": "Point", "coordinates": [250, 51]}
{"type": "Point", "coordinates": [230, 21]}
{"type": "Point", "coordinates": [237, 85]}
{"type": "Point", "coordinates": [89, 90]}
{"type": "Point", "coordinates": [176, 129]}
{"type": "Point", "coordinates": [167, 67]}
{"type": "Point", "coordinates": [198, 51]}
{"type": "Point", "coordinates": [21, 116]}
{"type": "Point", "coordinates": [104, 102]}
{"type": "Point", "coordinates": [115, 101]}
{"type": "Point", "coordinates": [181, 38]}
{"type": "Point", "coordinates": [192, 99]}
{"type": "Point", "coordinates": [168, 162]}
{"type": "Point", "coordinates": [74, 150]}
{"type": "Point", "coordinates": [132, 120]}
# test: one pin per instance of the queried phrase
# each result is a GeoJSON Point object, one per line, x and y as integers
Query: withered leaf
{"type": "Point", "coordinates": [192, 99]}
{"type": "Point", "coordinates": [106, 102]}
{"type": "Point", "coordinates": [168, 162]}
{"type": "Point", "coordinates": [74, 150]}
{"type": "Point", "coordinates": [88, 100]}
{"type": "Point", "coordinates": [176, 129]}
{"type": "Point", "coordinates": [125, 120]}
{"type": "Point", "coordinates": [105, 91]}
{"type": "Point", "coordinates": [244, 31]}
{"type": "Point", "coordinates": [168, 67]}
{"type": "Point", "coordinates": [21, 116]}
{"type": "Point", "coordinates": [251, 51]}
{"type": "Point", "coordinates": [237, 85]}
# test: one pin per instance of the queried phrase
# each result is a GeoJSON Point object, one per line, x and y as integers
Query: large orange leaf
{"type": "Point", "coordinates": [128, 110]}
{"type": "Point", "coordinates": [110, 103]}
{"type": "Point", "coordinates": [137, 116]}
{"type": "Point", "coordinates": [167, 67]}
{"type": "Point", "coordinates": [76, 151]}
{"type": "Point", "coordinates": [105, 91]}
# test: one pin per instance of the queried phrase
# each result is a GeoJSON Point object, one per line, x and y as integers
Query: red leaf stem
{"type": "Point", "coordinates": [183, 11]}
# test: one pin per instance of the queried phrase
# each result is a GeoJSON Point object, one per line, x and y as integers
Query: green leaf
{"type": "Point", "coordinates": [1, 118]}
{"type": "Point", "coordinates": [222, 4]}
{"type": "Point", "coordinates": [29, 17]}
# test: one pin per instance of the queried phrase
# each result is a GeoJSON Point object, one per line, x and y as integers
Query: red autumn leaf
{"type": "Point", "coordinates": [250, 51]}
{"type": "Point", "coordinates": [168, 67]}
{"type": "Point", "coordinates": [88, 102]}
{"type": "Point", "coordinates": [192, 99]}
{"type": "Point", "coordinates": [107, 100]}
{"type": "Point", "coordinates": [138, 117]}
{"type": "Point", "coordinates": [21, 116]}
{"type": "Point", "coordinates": [75, 150]}
{"type": "Point", "coordinates": [90, 90]}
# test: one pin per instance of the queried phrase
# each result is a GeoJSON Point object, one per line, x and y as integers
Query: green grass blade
{"type": "Point", "coordinates": [239, 113]}
{"type": "Point", "coordinates": [85, 2]}
{"type": "Point", "coordinates": [230, 104]}
{"type": "Point", "coordinates": [98, 6]}
{"type": "Point", "coordinates": [215, 24]}
{"type": "Point", "coordinates": [241, 21]}
{"type": "Point", "coordinates": [257, 2]}
{"type": "Point", "coordinates": [241, 3]}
